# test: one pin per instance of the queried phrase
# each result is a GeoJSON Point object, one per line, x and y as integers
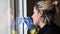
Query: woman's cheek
{"type": "Point", "coordinates": [35, 20]}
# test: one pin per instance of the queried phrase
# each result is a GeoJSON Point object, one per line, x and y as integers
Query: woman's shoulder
{"type": "Point", "coordinates": [53, 28]}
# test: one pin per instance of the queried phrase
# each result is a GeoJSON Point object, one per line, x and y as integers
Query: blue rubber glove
{"type": "Point", "coordinates": [28, 20]}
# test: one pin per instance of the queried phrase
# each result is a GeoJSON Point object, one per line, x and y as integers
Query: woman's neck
{"type": "Point", "coordinates": [41, 24]}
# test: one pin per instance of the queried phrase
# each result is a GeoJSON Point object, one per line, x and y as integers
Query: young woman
{"type": "Point", "coordinates": [41, 21]}
{"type": "Point", "coordinates": [43, 17]}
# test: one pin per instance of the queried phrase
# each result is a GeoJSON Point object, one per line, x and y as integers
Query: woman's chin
{"type": "Point", "coordinates": [35, 24]}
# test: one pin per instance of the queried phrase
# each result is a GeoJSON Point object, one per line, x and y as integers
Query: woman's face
{"type": "Point", "coordinates": [35, 16]}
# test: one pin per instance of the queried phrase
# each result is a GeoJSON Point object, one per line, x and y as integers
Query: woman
{"type": "Point", "coordinates": [43, 17]}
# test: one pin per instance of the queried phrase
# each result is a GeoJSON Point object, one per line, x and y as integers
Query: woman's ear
{"type": "Point", "coordinates": [41, 13]}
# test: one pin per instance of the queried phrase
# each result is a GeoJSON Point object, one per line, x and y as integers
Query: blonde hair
{"type": "Point", "coordinates": [48, 8]}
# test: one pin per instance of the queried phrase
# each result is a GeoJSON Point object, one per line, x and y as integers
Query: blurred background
{"type": "Point", "coordinates": [4, 16]}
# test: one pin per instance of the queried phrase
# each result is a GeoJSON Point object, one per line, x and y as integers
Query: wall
{"type": "Point", "coordinates": [4, 17]}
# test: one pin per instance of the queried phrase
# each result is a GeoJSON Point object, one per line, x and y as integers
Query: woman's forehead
{"type": "Point", "coordinates": [35, 9]}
